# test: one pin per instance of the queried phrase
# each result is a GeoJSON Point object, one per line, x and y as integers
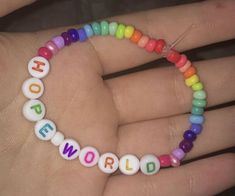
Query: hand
{"type": "Point", "coordinates": [139, 113]}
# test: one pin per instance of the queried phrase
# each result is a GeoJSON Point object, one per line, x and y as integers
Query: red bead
{"type": "Point", "coordinates": [159, 46]}
{"type": "Point", "coordinates": [173, 56]}
{"type": "Point", "coordinates": [150, 46]}
{"type": "Point", "coordinates": [165, 160]}
{"type": "Point", "coordinates": [45, 52]}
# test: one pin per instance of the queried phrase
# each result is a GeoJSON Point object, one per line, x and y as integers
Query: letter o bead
{"type": "Point", "coordinates": [33, 88]}
{"type": "Point", "coordinates": [38, 67]}
{"type": "Point", "coordinates": [34, 110]}
{"type": "Point", "coordinates": [108, 163]}
{"type": "Point", "coordinates": [129, 164]}
{"type": "Point", "coordinates": [149, 164]}
{"type": "Point", "coordinates": [45, 129]}
{"type": "Point", "coordinates": [89, 156]}
{"type": "Point", "coordinates": [69, 149]}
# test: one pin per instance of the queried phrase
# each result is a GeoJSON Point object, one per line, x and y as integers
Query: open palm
{"type": "Point", "coordinates": [139, 113]}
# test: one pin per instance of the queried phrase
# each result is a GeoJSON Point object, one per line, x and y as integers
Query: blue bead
{"type": "Point", "coordinates": [196, 119]}
{"type": "Point", "coordinates": [196, 128]}
{"type": "Point", "coordinates": [88, 30]}
{"type": "Point", "coordinates": [82, 35]}
{"type": "Point", "coordinates": [73, 35]}
{"type": "Point", "coordinates": [190, 135]}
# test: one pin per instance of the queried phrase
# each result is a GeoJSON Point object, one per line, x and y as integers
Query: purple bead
{"type": "Point", "coordinates": [196, 128]}
{"type": "Point", "coordinates": [190, 135]}
{"type": "Point", "coordinates": [186, 145]}
{"type": "Point", "coordinates": [58, 41]}
{"type": "Point", "coordinates": [178, 153]}
{"type": "Point", "coordinates": [82, 35]}
{"type": "Point", "coordinates": [67, 39]}
{"type": "Point", "coordinates": [73, 35]}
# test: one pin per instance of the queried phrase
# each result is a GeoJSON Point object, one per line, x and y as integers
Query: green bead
{"type": "Point", "coordinates": [201, 94]}
{"type": "Point", "coordinates": [120, 31]}
{"type": "Point", "coordinates": [104, 27]}
{"type": "Point", "coordinates": [96, 28]}
{"type": "Point", "coordinates": [197, 110]}
{"type": "Point", "coordinates": [112, 28]}
{"type": "Point", "coordinates": [198, 86]}
{"type": "Point", "coordinates": [199, 102]}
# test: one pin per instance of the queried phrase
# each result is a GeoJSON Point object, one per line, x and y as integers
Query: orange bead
{"type": "Point", "coordinates": [136, 36]}
{"type": "Point", "coordinates": [189, 72]}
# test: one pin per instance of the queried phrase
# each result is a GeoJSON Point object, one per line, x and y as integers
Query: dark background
{"type": "Point", "coordinates": [54, 13]}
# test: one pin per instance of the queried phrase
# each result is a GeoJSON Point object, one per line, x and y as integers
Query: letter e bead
{"type": "Point", "coordinates": [45, 129]}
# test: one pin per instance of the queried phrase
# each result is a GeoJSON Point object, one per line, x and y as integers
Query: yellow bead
{"type": "Point", "coordinates": [192, 80]}
{"type": "Point", "coordinates": [129, 30]}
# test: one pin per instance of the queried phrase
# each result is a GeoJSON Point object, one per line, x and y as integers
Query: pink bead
{"type": "Point", "coordinates": [52, 47]}
{"type": "Point", "coordinates": [174, 161]}
{"type": "Point", "coordinates": [45, 52]}
{"type": "Point", "coordinates": [143, 41]}
{"type": "Point", "coordinates": [58, 41]}
{"type": "Point", "coordinates": [178, 153]}
{"type": "Point", "coordinates": [182, 61]}
{"type": "Point", "coordinates": [186, 66]}
{"type": "Point", "coordinates": [165, 160]}
{"type": "Point", "coordinates": [150, 46]}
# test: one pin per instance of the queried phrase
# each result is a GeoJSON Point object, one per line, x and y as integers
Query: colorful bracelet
{"type": "Point", "coordinates": [34, 110]}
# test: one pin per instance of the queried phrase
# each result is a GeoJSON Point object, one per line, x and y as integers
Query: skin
{"type": "Point", "coordinates": [139, 113]}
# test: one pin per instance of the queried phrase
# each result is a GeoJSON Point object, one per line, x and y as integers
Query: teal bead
{"type": "Point", "coordinates": [196, 119]}
{"type": "Point", "coordinates": [113, 28]}
{"type": "Point", "coordinates": [104, 27]}
{"type": "Point", "coordinates": [197, 110]}
{"type": "Point", "coordinates": [199, 103]}
{"type": "Point", "coordinates": [201, 94]}
{"type": "Point", "coordinates": [96, 28]}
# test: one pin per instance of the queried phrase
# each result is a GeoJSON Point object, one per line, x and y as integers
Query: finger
{"type": "Point", "coordinates": [205, 177]}
{"type": "Point", "coordinates": [162, 92]}
{"type": "Point", "coordinates": [161, 136]}
{"type": "Point", "coordinates": [9, 6]}
{"type": "Point", "coordinates": [168, 23]}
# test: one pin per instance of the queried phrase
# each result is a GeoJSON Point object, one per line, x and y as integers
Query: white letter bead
{"type": "Point", "coordinates": [45, 129]}
{"type": "Point", "coordinates": [34, 110]}
{"type": "Point", "coordinates": [33, 88]}
{"type": "Point", "coordinates": [89, 156]}
{"type": "Point", "coordinates": [149, 164]}
{"type": "Point", "coordinates": [129, 164]}
{"type": "Point", "coordinates": [108, 163]}
{"type": "Point", "coordinates": [57, 139]}
{"type": "Point", "coordinates": [69, 149]}
{"type": "Point", "coordinates": [38, 67]}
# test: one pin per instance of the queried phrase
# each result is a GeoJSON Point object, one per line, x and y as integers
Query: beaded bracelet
{"type": "Point", "coordinates": [34, 110]}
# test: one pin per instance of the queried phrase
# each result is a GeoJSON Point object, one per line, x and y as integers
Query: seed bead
{"type": "Point", "coordinates": [120, 31]}
{"type": "Point", "coordinates": [136, 36]}
{"type": "Point", "coordinates": [150, 46]}
{"type": "Point", "coordinates": [129, 30]}
{"type": "Point", "coordinates": [104, 27]}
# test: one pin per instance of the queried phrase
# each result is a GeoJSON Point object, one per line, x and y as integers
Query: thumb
{"type": "Point", "coordinates": [7, 6]}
